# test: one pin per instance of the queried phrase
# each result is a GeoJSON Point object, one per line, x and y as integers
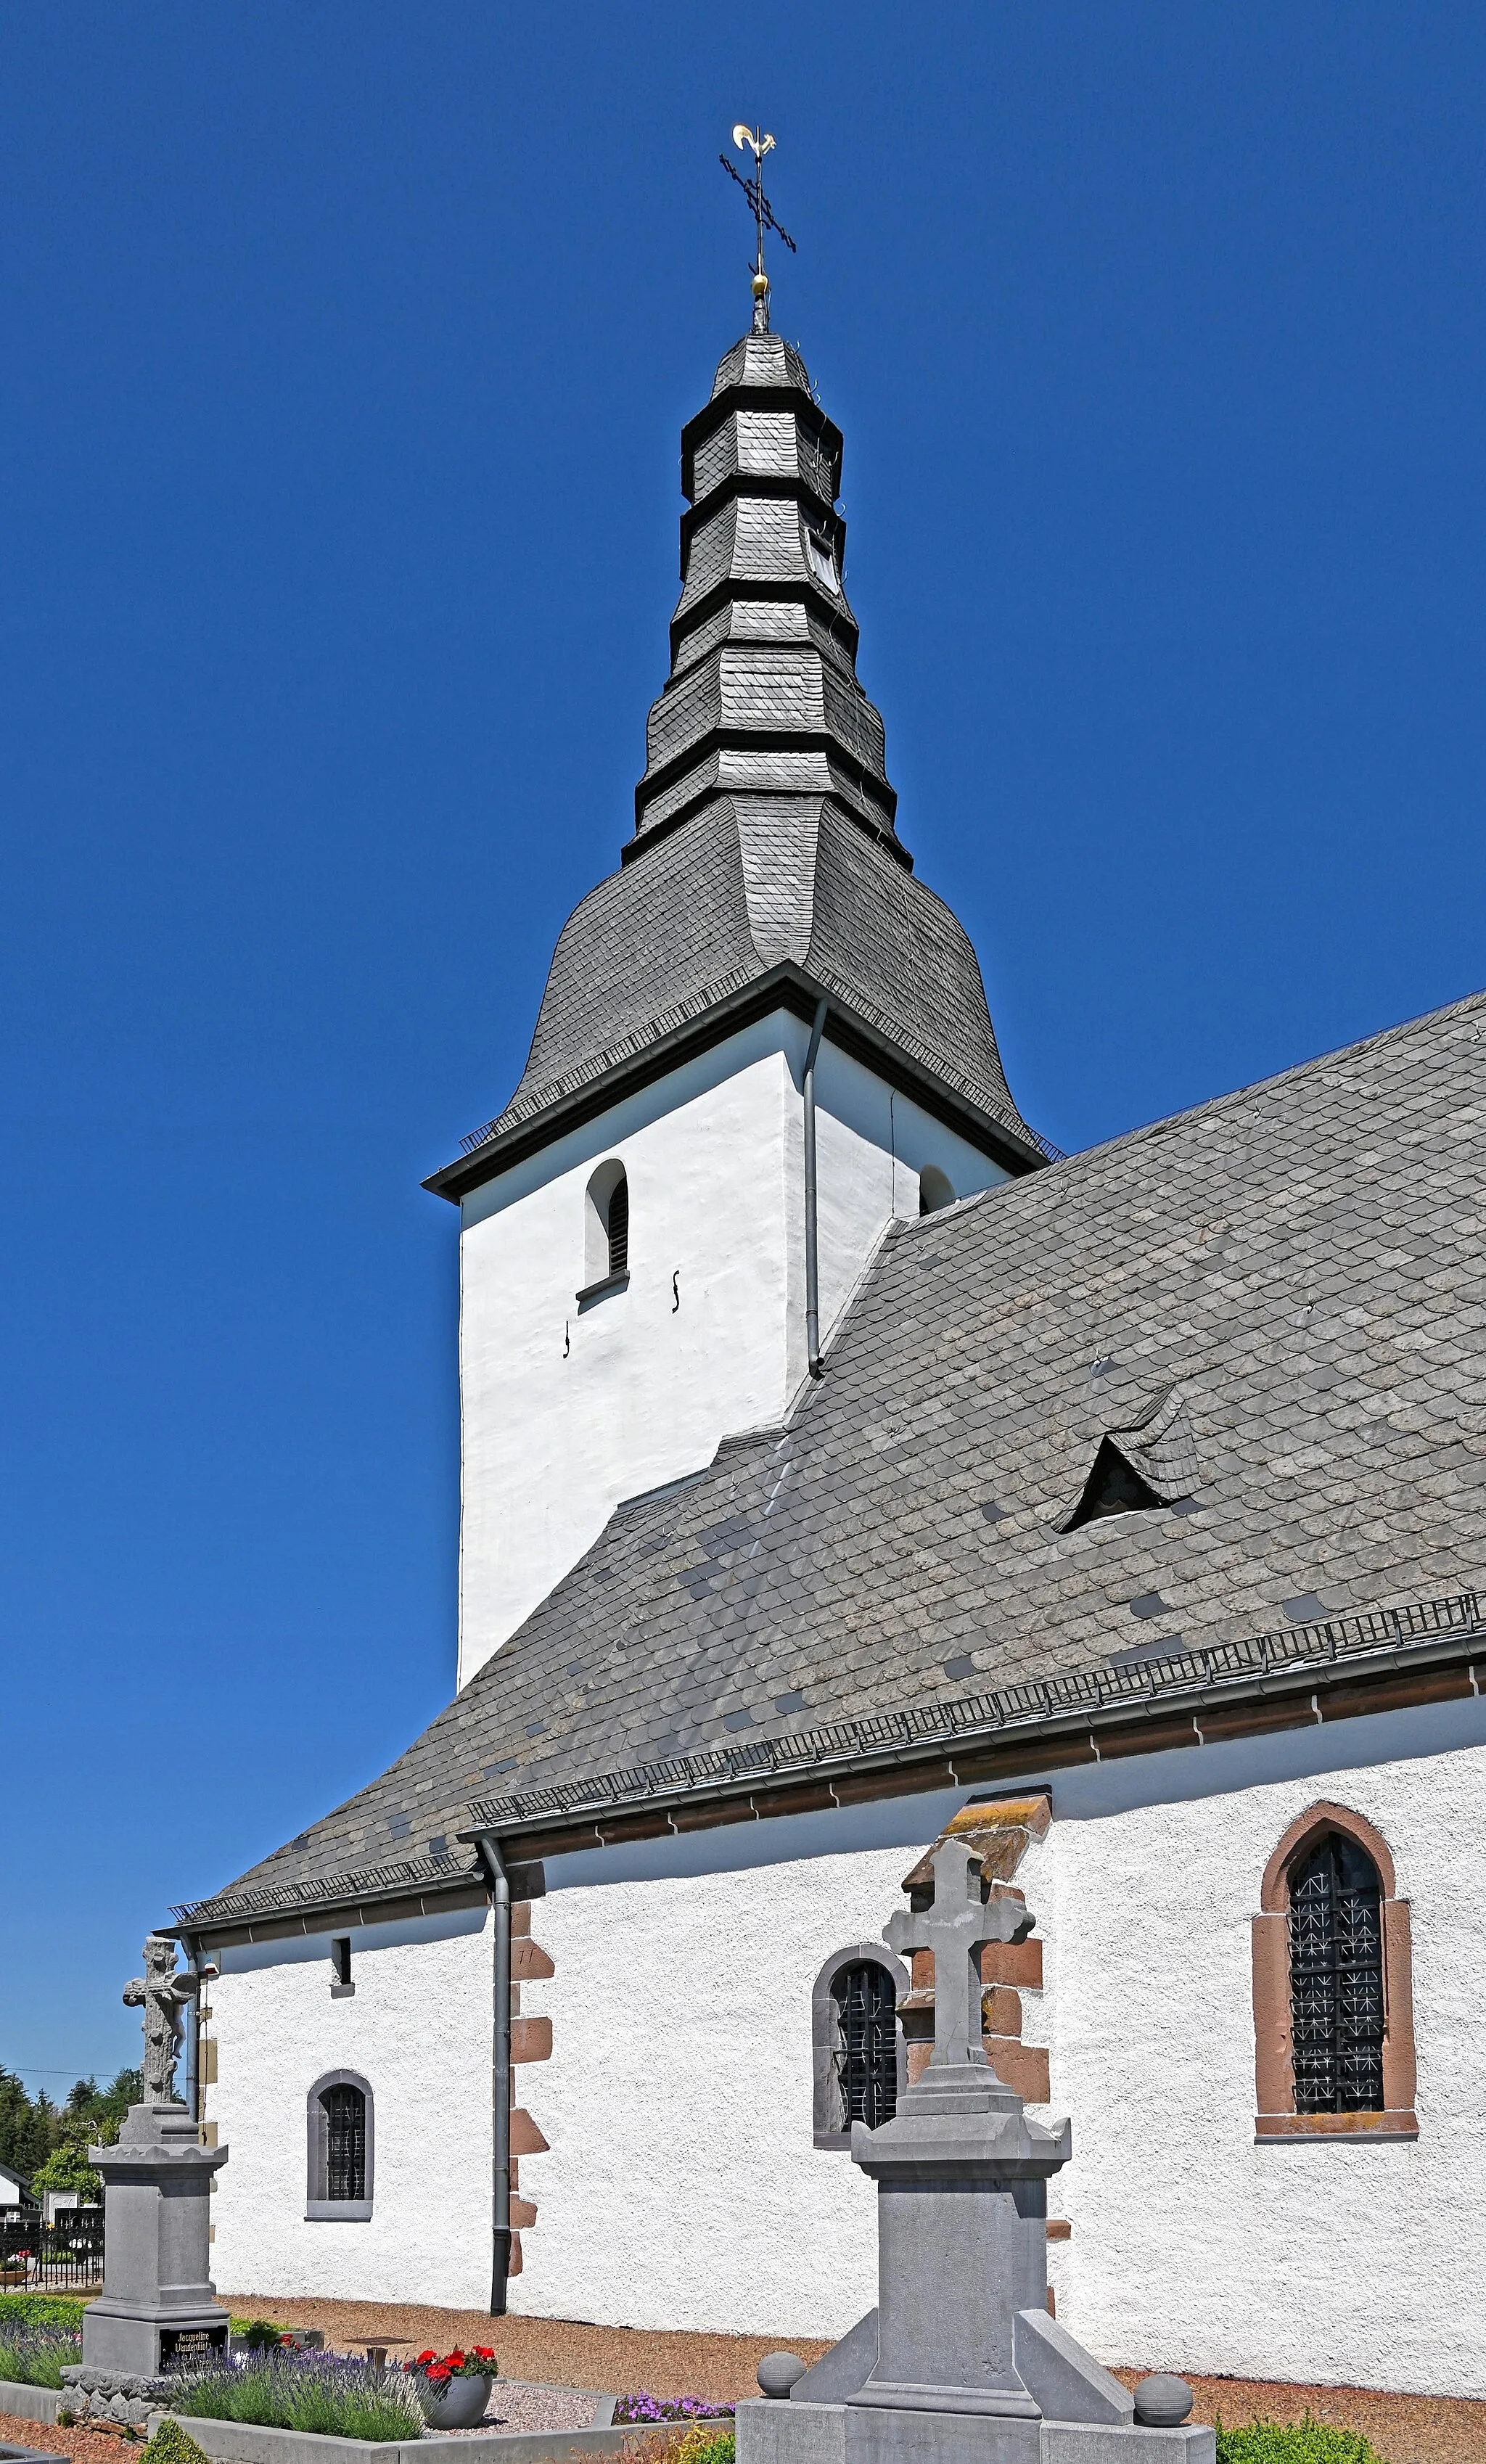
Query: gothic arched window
{"type": "Point", "coordinates": [1335, 1979]}
{"type": "Point", "coordinates": [340, 2129]}
{"type": "Point", "coordinates": [1332, 2000]}
{"type": "Point", "coordinates": [859, 2057]}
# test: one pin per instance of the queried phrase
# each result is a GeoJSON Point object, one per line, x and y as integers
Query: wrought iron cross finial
{"type": "Point", "coordinates": [756, 141]}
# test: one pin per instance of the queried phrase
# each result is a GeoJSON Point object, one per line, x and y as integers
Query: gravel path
{"type": "Point", "coordinates": [570, 2352]}
{"type": "Point", "coordinates": [1404, 2428]}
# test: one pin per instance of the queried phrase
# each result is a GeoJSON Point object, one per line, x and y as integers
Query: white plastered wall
{"type": "Point", "coordinates": [418, 2028]}
{"type": "Point", "coordinates": [682, 2189]}
{"type": "Point", "coordinates": [565, 1412]}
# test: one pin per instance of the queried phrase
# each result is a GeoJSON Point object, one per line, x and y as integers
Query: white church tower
{"type": "Point", "coordinates": [643, 1233]}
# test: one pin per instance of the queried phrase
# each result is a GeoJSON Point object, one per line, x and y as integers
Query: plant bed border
{"type": "Point", "coordinates": [249, 2442]}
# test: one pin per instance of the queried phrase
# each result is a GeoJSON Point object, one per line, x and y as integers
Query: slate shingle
{"type": "Point", "coordinates": [970, 1344]}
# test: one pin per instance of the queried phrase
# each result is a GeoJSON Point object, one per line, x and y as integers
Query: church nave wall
{"type": "Point", "coordinates": [417, 2029]}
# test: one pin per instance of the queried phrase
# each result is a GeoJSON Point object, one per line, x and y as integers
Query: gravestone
{"type": "Point", "coordinates": [960, 2363]}
{"type": "Point", "coordinates": [157, 2310]}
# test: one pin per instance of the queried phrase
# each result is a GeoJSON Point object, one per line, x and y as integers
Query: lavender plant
{"type": "Point", "coordinates": [33, 2355]}
{"type": "Point", "coordinates": [327, 2392]}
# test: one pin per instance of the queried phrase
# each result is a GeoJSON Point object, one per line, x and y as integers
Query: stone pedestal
{"type": "Point", "coordinates": [960, 2363]}
{"type": "Point", "coordinates": [157, 2310]}
{"type": "Point", "coordinates": [962, 2259]}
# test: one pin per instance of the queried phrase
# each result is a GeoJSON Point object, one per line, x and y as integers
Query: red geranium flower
{"type": "Point", "coordinates": [440, 2370]}
{"type": "Point", "coordinates": [428, 2356]}
{"type": "Point", "coordinates": [484, 2352]}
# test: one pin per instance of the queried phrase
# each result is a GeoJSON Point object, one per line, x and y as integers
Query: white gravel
{"type": "Point", "coordinates": [516, 2405]}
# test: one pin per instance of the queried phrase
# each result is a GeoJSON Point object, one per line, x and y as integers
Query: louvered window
{"type": "Point", "coordinates": [345, 2143]}
{"type": "Point", "coordinates": [619, 1228]}
{"type": "Point", "coordinates": [1335, 1979]}
{"type": "Point", "coordinates": [866, 2054]}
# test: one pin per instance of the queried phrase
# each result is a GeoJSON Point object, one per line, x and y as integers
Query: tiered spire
{"type": "Point", "coordinates": [762, 693]}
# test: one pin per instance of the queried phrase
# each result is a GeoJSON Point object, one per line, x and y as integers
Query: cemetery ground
{"type": "Point", "coordinates": [570, 2352]}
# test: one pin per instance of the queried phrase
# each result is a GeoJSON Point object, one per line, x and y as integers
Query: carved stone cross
{"type": "Point", "coordinates": [162, 1994]}
{"type": "Point", "coordinates": [955, 1929]}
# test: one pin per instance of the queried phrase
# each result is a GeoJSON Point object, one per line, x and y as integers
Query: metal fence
{"type": "Point", "coordinates": [64, 2256]}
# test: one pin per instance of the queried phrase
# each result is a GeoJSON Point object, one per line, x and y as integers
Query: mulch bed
{"type": "Point", "coordinates": [570, 2352]}
{"type": "Point", "coordinates": [84, 2446]}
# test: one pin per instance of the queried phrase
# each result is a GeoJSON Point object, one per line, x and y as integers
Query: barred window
{"type": "Point", "coordinates": [1335, 1979]}
{"type": "Point", "coordinates": [866, 2054]}
{"type": "Point", "coordinates": [345, 2143]}
{"type": "Point", "coordinates": [342, 2127]}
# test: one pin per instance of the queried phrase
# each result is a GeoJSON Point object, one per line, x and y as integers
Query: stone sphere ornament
{"type": "Point", "coordinates": [1163, 2401]}
{"type": "Point", "coordinates": [778, 2373]}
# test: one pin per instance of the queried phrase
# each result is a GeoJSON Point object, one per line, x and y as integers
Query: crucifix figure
{"type": "Point", "coordinates": [955, 1929]}
{"type": "Point", "coordinates": [754, 141]}
{"type": "Point", "coordinates": [163, 1994]}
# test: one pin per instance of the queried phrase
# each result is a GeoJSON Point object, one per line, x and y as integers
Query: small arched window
{"type": "Point", "coordinates": [340, 2131]}
{"type": "Point", "coordinates": [607, 1227]}
{"type": "Point", "coordinates": [1333, 1996]}
{"type": "Point", "coordinates": [866, 2057]}
{"type": "Point", "coordinates": [860, 2062]}
{"type": "Point", "coordinates": [935, 1189]}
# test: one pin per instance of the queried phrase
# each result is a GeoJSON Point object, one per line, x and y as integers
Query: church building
{"type": "Point", "coordinates": [842, 1466]}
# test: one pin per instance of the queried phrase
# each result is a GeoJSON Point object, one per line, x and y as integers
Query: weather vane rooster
{"type": "Point", "coordinates": [755, 142]}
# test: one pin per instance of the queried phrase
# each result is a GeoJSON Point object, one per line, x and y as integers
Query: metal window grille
{"type": "Point", "coordinates": [345, 2143]}
{"type": "Point", "coordinates": [619, 1228]}
{"type": "Point", "coordinates": [866, 2054]}
{"type": "Point", "coordinates": [1336, 1980]}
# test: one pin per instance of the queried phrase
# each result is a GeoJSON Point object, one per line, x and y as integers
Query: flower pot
{"type": "Point", "coordinates": [455, 2404]}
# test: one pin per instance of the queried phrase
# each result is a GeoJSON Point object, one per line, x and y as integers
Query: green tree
{"type": "Point", "coordinates": [25, 2126]}
{"type": "Point", "coordinates": [67, 2169]}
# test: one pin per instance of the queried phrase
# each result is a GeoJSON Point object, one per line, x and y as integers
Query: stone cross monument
{"type": "Point", "coordinates": [157, 2306]}
{"type": "Point", "coordinates": [960, 2363]}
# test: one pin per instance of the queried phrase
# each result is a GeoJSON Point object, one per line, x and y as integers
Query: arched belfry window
{"type": "Point", "coordinates": [338, 2120]}
{"type": "Point", "coordinates": [606, 1251]}
{"type": "Point", "coordinates": [860, 2067]}
{"type": "Point", "coordinates": [935, 1189]}
{"type": "Point", "coordinates": [1333, 1996]}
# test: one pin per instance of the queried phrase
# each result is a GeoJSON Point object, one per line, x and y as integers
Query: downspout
{"type": "Point", "coordinates": [500, 2085]}
{"type": "Point", "coordinates": [811, 1237]}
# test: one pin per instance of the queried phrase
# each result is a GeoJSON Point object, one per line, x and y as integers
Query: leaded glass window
{"type": "Point", "coordinates": [1335, 1979]}
{"type": "Point", "coordinates": [866, 2054]}
{"type": "Point", "coordinates": [345, 2143]}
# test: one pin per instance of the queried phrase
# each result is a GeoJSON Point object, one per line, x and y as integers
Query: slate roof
{"type": "Point", "coordinates": [753, 884]}
{"type": "Point", "coordinates": [764, 836]}
{"type": "Point", "coordinates": [1292, 1276]}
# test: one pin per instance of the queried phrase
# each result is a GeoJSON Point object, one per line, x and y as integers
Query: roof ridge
{"type": "Point", "coordinates": [1234, 1096]}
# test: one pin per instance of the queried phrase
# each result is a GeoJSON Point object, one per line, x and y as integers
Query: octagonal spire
{"type": "Point", "coordinates": [762, 697]}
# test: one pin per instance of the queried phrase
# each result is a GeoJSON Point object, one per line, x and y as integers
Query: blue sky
{"type": "Point", "coordinates": [346, 347]}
